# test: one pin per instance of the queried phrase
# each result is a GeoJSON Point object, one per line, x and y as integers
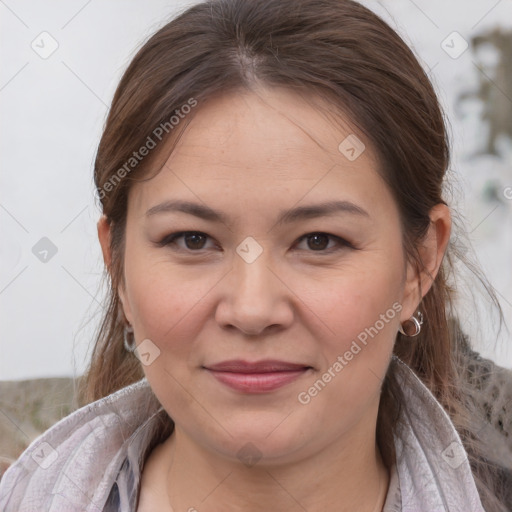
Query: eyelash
{"type": "Point", "coordinates": [171, 238]}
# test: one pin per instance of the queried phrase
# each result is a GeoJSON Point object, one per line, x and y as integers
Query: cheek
{"type": "Point", "coordinates": [362, 313]}
{"type": "Point", "coordinates": [362, 310]}
{"type": "Point", "coordinates": [166, 301]}
{"type": "Point", "coordinates": [355, 301]}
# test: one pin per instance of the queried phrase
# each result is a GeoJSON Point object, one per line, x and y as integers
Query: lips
{"type": "Point", "coordinates": [266, 366]}
{"type": "Point", "coordinates": [257, 377]}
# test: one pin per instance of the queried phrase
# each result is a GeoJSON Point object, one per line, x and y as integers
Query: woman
{"type": "Point", "coordinates": [241, 363]}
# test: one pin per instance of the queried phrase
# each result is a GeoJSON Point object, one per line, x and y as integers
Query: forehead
{"type": "Point", "coordinates": [269, 143]}
{"type": "Point", "coordinates": [265, 127]}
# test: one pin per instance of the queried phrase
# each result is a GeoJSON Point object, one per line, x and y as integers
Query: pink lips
{"type": "Point", "coordinates": [257, 377]}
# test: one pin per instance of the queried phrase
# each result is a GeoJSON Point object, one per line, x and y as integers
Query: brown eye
{"type": "Point", "coordinates": [194, 241]}
{"type": "Point", "coordinates": [319, 242]}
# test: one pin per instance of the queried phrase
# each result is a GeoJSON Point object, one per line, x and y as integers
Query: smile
{"type": "Point", "coordinates": [259, 377]}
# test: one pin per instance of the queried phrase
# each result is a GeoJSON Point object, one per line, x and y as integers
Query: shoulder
{"type": "Point", "coordinates": [492, 395]}
{"type": "Point", "coordinates": [72, 465]}
{"type": "Point", "coordinates": [429, 439]}
{"type": "Point", "coordinates": [432, 464]}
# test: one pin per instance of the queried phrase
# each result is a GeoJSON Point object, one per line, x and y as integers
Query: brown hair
{"type": "Point", "coordinates": [334, 49]}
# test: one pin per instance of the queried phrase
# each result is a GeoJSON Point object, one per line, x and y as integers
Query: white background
{"type": "Point", "coordinates": [52, 114]}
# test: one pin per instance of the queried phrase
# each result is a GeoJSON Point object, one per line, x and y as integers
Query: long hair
{"type": "Point", "coordinates": [346, 54]}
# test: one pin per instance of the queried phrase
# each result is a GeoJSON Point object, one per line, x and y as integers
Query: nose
{"type": "Point", "coordinates": [255, 299]}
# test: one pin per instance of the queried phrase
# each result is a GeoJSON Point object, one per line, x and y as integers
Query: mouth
{"type": "Point", "coordinates": [257, 377]}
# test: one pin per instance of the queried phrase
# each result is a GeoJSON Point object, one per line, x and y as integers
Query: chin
{"type": "Point", "coordinates": [261, 442]}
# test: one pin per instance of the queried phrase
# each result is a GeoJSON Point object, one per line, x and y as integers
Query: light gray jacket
{"type": "Point", "coordinates": [92, 459]}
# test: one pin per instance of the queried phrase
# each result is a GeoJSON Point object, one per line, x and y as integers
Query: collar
{"type": "Point", "coordinates": [433, 467]}
{"type": "Point", "coordinates": [113, 435]}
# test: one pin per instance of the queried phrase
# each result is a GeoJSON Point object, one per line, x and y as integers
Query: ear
{"type": "Point", "coordinates": [104, 235]}
{"type": "Point", "coordinates": [431, 250]}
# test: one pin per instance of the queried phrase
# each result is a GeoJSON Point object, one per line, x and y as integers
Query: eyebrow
{"type": "Point", "coordinates": [285, 216]}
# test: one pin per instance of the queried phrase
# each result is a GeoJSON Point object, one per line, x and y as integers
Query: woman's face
{"type": "Point", "coordinates": [271, 274]}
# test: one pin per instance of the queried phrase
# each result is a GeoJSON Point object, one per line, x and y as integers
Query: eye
{"type": "Point", "coordinates": [318, 242]}
{"type": "Point", "coordinates": [194, 240]}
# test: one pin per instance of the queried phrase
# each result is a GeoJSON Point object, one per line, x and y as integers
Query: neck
{"type": "Point", "coordinates": [347, 475]}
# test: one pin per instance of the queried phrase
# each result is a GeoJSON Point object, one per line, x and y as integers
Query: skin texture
{"type": "Point", "coordinates": [252, 155]}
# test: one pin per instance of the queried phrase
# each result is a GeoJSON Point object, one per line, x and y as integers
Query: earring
{"type": "Point", "coordinates": [417, 322]}
{"type": "Point", "coordinates": [128, 345]}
